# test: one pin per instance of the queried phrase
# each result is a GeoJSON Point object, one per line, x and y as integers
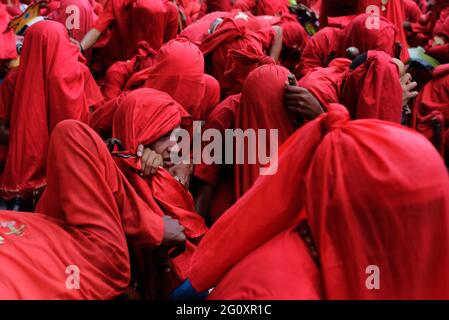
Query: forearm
{"type": "Point", "coordinates": [276, 48]}
{"type": "Point", "coordinates": [90, 38]}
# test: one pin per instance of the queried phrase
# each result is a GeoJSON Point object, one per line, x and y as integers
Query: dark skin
{"type": "Point", "coordinates": [301, 103]}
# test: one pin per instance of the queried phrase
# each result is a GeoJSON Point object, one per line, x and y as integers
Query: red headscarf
{"type": "Point", "coordinates": [144, 116]}
{"type": "Point", "coordinates": [364, 209]}
{"type": "Point", "coordinates": [231, 34]}
{"type": "Point", "coordinates": [53, 77]}
{"type": "Point", "coordinates": [356, 34]}
{"type": "Point", "coordinates": [179, 71]}
{"type": "Point", "coordinates": [272, 7]}
{"type": "Point", "coordinates": [199, 30]}
{"type": "Point", "coordinates": [373, 90]}
{"type": "Point", "coordinates": [261, 112]}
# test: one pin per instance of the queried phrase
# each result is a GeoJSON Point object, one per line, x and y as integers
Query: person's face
{"type": "Point", "coordinates": [164, 147]}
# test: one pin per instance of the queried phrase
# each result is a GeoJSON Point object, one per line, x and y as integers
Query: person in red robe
{"type": "Point", "coordinates": [233, 50]}
{"type": "Point", "coordinates": [334, 202]}
{"type": "Point", "coordinates": [53, 78]}
{"type": "Point", "coordinates": [76, 247]}
{"type": "Point", "coordinates": [330, 43]}
{"type": "Point", "coordinates": [129, 21]}
{"type": "Point", "coordinates": [179, 70]}
{"type": "Point", "coordinates": [251, 111]}
{"type": "Point", "coordinates": [200, 29]}
{"type": "Point", "coordinates": [432, 109]}
{"type": "Point", "coordinates": [218, 5]}
{"type": "Point", "coordinates": [263, 7]}
{"type": "Point", "coordinates": [373, 89]}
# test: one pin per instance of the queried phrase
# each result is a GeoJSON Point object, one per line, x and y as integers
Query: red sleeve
{"type": "Point", "coordinates": [266, 36]}
{"type": "Point", "coordinates": [106, 17]}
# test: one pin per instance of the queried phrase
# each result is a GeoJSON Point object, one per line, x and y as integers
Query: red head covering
{"type": "Point", "coordinates": [293, 33]}
{"type": "Point", "coordinates": [199, 30]}
{"type": "Point", "coordinates": [442, 25]}
{"type": "Point", "coordinates": [53, 77]}
{"type": "Point", "coordinates": [144, 116]}
{"type": "Point", "coordinates": [72, 11]}
{"type": "Point", "coordinates": [363, 206]}
{"type": "Point", "coordinates": [231, 34]}
{"type": "Point", "coordinates": [356, 34]}
{"type": "Point", "coordinates": [179, 71]}
{"type": "Point", "coordinates": [261, 111]}
{"type": "Point", "coordinates": [373, 90]}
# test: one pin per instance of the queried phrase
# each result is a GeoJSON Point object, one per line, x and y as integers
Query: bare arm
{"type": "Point", "coordinates": [90, 38]}
{"type": "Point", "coordinates": [276, 48]}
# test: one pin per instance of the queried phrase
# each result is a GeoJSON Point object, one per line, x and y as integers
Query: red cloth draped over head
{"type": "Point", "coordinates": [260, 112]}
{"type": "Point", "coordinates": [7, 39]}
{"type": "Point", "coordinates": [433, 98]}
{"type": "Point", "coordinates": [373, 89]}
{"type": "Point", "coordinates": [231, 34]}
{"type": "Point", "coordinates": [324, 83]}
{"type": "Point", "coordinates": [126, 75]}
{"type": "Point", "coordinates": [54, 79]}
{"type": "Point", "coordinates": [351, 180]}
{"type": "Point", "coordinates": [144, 116]}
{"type": "Point", "coordinates": [293, 33]}
{"type": "Point", "coordinates": [179, 71]}
{"type": "Point", "coordinates": [412, 12]}
{"type": "Point", "coordinates": [356, 34]}
{"type": "Point", "coordinates": [78, 15]}
{"type": "Point", "coordinates": [442, 26]}
{"type": "Point", "coordinates": [199, 30]}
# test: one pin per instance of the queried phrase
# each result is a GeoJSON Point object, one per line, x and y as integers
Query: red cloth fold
{"type": "Point", "coordinates": [364, 209]}
{"type": "Point", "coordinates": [53, 78]}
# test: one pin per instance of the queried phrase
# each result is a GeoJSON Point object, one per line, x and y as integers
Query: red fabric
{"type": "Point", "coordinates": [130, 18]}
{"type": "Point", "coordinates": [144, 116]}
{"type": "Point", "coordinates": [434, 97]}
{"type": "Point", "coordinates": [293, 33]}
{"type": "Point", "coordinates": [123, 74]}
{"type": "Point", "coordinates": [412, 12]}
{"type": "Point", "coordinates": [373, 90]}
{"type": "Point", "coordinates": [199, 30]}
{"type": "Point", "coordinates": [66, 15]}
{"type": "Point", "coordinates": [61, 88]}
{"type": "Point", "coordinates": [218, 5]}
{"type": "Point", "coordinates": [88, 214]}
{"type": "Point", "coordinates": [179, 71]}
{"type": "Point", "coordinates": [231, 34]}
{"type": "Point", "coordinates": [7, 39]}
{"type": "Point", "coordinates": [356, 34]}
{"type": "Point", "coordinates": [272, 7]}
{"type": "Point", "coordinates": [442, 25]}
{"type": "Point", "coordinates": [325, 83]}
{"type": "Point", "coordinates": [318, 50]}
{"type": "Point", "coordinates": [220, 176]}
{"type": "Point", "coordinates": [257, 112]}
{"type": "Point", "coordinates": [346, 175]}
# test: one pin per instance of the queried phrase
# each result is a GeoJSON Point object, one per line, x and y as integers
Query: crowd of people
{"type": "Point", "coordinates": [353, 204]}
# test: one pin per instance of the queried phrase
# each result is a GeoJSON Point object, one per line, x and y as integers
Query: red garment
{"type": "Point", "coordinates": [325, 83]}
{"type": "Point", "coordinates": [144, 116]}
{"type": "Point", "coordinates": [7, 39]}
{"type": "Point", "coordinates": [199, 30]}
{"type": "Point", "coordinates": [51, 75]}
{"type": "Point", "coordinates": [67, 15]}
{"type": "Point", "coordinates": [272, 7]}
{"type": "Point", "coordinates": [412, 12]}
{"type": "Point", "coordinates": [373, 90]}
{"type": "Point", "coordinates": [218, 5]}
{"type": "Point", "coordinates": [260, 112]}
{"type": "Point", "coordinates": [221, 176]}
{"type": "Point", "coordinates": [442, 25]}
{"type": "Point", "coordinates": [356, 34]}
{"type": "Point", "coordinates": [346, 176]}
{"type": "Point", "coordinates": [130, 19]}
{"type": "Point", "coordinates": [88, 215]}
{"type": "Point", "coordinates": [434, 97]}
{"type": "Point", "coordinates": [119, 75]}
{"type": "Point", "coordinates": [179, 71]}
{"type": "Point", "coordinates": [319, 51]}
{"type": "Point", "coordinates": [232, 34]}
